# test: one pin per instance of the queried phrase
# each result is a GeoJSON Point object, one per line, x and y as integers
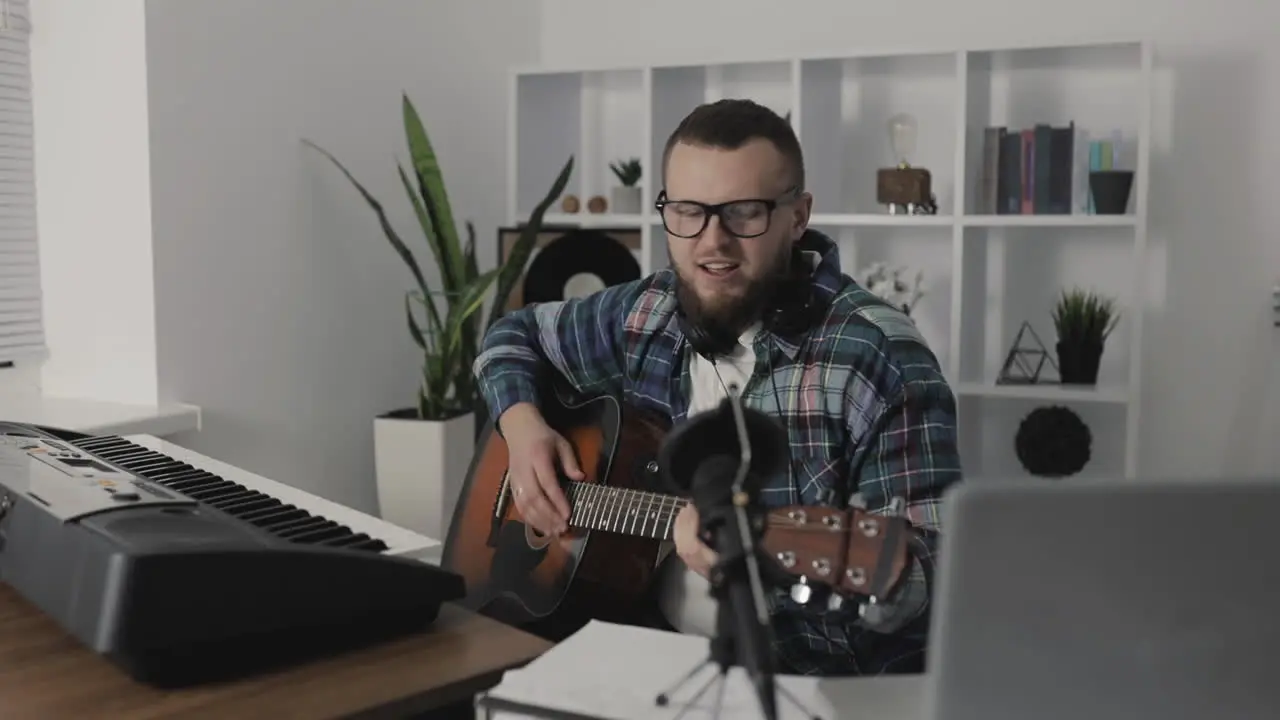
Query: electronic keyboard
{"type": "Point", "coordinates": [182, 570]}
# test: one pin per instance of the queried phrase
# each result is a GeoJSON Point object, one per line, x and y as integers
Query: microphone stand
{"type": "Point", "coordinates": [743, 636]}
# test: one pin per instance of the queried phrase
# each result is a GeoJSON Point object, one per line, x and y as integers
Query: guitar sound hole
{"type": "Point", "coordinates": [515, 560]}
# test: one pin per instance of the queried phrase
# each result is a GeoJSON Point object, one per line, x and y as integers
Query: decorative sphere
{"type": "Point", "coordinates": [1053, 442]}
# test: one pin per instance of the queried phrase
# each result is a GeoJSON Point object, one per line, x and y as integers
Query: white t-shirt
{"type": "Point", "coordinates": [683, 594]}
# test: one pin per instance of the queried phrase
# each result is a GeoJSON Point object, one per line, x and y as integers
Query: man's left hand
{"type": "Point", "coordinates": [695, 553]}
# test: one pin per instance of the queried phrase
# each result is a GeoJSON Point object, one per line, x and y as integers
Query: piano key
{"type": "Point", "coordinates": [279, 509]}
{"type": "Point", "coordinates": [330, 531]}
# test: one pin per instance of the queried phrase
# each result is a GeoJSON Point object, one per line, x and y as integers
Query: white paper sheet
{"type": "Point", "coordinates": [615, 672]}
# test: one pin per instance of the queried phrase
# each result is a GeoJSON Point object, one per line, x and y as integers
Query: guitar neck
{"type": "Point", "coordinates": [854, 552]}
{"type": "Point", "coordinates": [619, 510]}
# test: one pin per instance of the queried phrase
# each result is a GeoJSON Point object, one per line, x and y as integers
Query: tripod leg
{"type": "Point", "coordinates": [791, 698]}
{"type": "Point", "coordinates": [665, 696]}
{"type": "Point", "coordinates": [715, 709]}
{"type": "Point", "coordinates": [718, 677]}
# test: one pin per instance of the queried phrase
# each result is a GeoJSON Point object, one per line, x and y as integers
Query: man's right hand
{"type": "Point", "coordinates": [534, 450]}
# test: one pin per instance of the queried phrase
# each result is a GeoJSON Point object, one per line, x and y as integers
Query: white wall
{"type": "Point", "coordinates": [89, 97]}
{"type": "Point", "coordinates": [279, 301]}
{"type": "Point", "coordinates": [194, 250]}
{"type": "Point", "coordinates": [1211, 399]}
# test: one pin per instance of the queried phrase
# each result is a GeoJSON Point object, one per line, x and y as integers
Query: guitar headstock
{"type": "Point", "coordinates": [856, 553]}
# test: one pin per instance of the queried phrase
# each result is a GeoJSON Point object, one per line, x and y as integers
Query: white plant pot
{"type": "Point", "coordinates": [421, 466]}
{"type": "Point", "coordinates": [625, 200]}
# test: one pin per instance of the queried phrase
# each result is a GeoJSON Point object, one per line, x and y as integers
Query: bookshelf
{"type": "Point", "coordinates": [986, 272]}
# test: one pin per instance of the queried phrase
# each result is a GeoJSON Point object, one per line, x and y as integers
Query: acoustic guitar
{"type": "Point", "coordinates": [620, 529]}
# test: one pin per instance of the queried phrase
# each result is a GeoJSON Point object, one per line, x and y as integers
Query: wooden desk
{"type": "Point", "coordinates": [46, 674]}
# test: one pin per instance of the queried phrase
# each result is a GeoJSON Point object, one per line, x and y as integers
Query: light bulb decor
{"type": "Point", "coordinates": [903, 189]}
{"type": "Point", "coordinates": [902, 137]}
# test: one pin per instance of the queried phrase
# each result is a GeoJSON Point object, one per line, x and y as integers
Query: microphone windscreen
{"type": "Point", "coordinates": [713, 482]}
{"type": "Point", "coordinates": [715, 432]}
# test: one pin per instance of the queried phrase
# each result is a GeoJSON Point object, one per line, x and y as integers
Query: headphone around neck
{"type": "Point", "coordinates": [790, 312]}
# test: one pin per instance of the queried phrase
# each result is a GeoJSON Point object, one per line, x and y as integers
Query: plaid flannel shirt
{"type": "Point", "coordinates": [869, 415]}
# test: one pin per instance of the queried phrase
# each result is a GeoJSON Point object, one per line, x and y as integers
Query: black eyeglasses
{"type": "Point", "coordinates": [741, 218]}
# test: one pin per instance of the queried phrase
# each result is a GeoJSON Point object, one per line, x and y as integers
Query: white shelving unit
{"type": "Point", "coordinates": [986, 274]}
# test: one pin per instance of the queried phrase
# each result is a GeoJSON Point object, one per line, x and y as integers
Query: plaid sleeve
{"type": "Point", "coordinates": [580, 338]}
{"type": "Point", "coordinates": [911, 455]}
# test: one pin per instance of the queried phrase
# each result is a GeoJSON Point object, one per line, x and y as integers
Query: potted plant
{"type": "Point", "coordinates": [1083, 320]}
{"type": "Point", "coordinates": [422, 452]}
{"type": "Point", "coordinates": [625, 198]}
{"type": "Point", "coordinates": [890, 284]}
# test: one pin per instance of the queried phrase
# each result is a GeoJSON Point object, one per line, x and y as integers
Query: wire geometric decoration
{"type": "Point", "coordinates": [1026, 359]}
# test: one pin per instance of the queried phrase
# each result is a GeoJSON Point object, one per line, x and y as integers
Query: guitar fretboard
{"type": "Point", "coordinates": [618, 510]}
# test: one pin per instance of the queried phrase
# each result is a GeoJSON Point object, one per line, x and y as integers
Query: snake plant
{"type": "Point", "coordinates": [1084, 318]}
{"type": "Point", "coordinates": [445, 323]}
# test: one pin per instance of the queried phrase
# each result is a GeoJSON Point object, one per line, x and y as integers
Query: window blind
{"type": "Point", "coordinates": [21, 317]}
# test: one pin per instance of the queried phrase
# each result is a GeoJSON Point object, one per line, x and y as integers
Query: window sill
{"type": "Point", "coordinates": [97, 417]}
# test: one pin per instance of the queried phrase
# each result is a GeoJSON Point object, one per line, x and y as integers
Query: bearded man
{"type": "Point", "coordinates": [752, 297]}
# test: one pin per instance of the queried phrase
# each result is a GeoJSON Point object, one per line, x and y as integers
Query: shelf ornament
{"type": "Point", "coordinates": [889, 283]}
{"type": "Point", "coordinates": [1053, 442]}
{"type": "Point", "coordinates": [626, 195]}
{"type": "Point", "coordinates": [1026, 359]}
{"type": "Point", "coordinates": [903, 189]}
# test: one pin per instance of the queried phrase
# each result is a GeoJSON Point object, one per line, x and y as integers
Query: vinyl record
{"type": "Point", "coordinates": [577, 264]}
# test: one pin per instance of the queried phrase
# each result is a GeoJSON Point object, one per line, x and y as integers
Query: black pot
{"type": "Point", "coordinates": [1078, 362]}
{"type": "Point", "coordinates": [1110, 190]}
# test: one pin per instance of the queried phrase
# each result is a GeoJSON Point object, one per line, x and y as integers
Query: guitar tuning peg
{"type": "Point", "coordinates": [801, 591]}
{"type": "Point", "coordinates": [896, 506]}
{"type": "Point", "coordinates": [835, 601]}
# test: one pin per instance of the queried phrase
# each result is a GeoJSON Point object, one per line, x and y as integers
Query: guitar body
{"type": "Point", "coordinates": [520, 577]}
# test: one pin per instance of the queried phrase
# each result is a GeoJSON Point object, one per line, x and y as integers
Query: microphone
{"type": "Point", "coordinates": [709, 487]}
{"type": "Point", "coordinates": [743, 629]}
{"type": "Point", "coordinates": [715, 432]}
{"type": "Point", "coordinates": [718, 459]}
{"type": "Point", "coordinates": [753, 634]}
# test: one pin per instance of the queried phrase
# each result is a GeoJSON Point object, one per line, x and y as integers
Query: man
{"type": "Point", "coordinates": [869, 416]}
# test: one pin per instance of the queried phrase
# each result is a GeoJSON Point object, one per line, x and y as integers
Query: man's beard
{"type": "Point", "coordinates": [728, 317]}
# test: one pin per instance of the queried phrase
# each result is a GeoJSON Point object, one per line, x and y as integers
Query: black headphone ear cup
{"type": "Point", "coordinates": [703, 342]}
{"type": "Point", "coordinates": [792, 314]}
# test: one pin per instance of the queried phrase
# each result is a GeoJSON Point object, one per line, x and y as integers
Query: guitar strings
{"type": "Point", "coordinates": [600, 507]}
{"type": "Point", "coordinates": [603, 507]}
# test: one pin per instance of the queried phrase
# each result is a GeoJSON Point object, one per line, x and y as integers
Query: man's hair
{"type": "Point", "coordinates": [730, 124]}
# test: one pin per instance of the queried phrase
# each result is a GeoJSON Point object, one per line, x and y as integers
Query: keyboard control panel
{"type": "Point", "coordinates": [69, 483]}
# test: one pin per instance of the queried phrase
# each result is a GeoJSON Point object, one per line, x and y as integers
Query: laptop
{"type": "Point", "coordinates": [1109, 600]}
{"type": "Point", "coordinates": [1101, 600]}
